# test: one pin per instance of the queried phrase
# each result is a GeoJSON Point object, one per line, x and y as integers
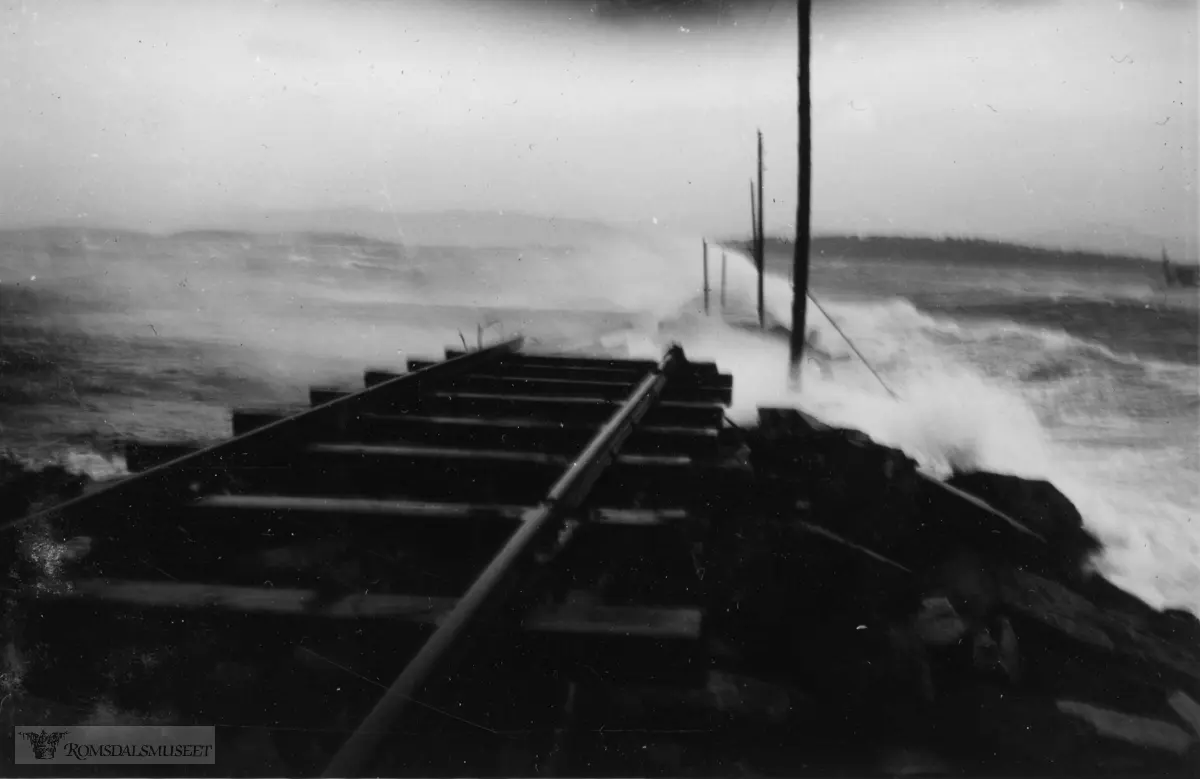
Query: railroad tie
{"type": "Point", "coordinates": [447, 511]}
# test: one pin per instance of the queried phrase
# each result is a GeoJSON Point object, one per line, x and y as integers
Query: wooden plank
{"type": "Point", "coordinates": [551, 447]}
{"type": "Point", "coordinates": [504, 383]}
{"type": "Point", "coordinates": [567, 410]}
{"type": "Point", "coordinates": [717, 380]}
{"type": "Point", "coordinates": [510, 433]}
{"type": "Point", "coordinates": [527, 423]}
{"type": "Point", "coordinates": [190, 596]}
{"type": "Point", "coordinates": [423, 509]}
{"type": "Point", "coordinates": [500, 476]}
{"type": "Point", "coordinates": [540, 434]}
{"type": "Point", "coordinates": [567, 618]}
{"type": "Point", "coordinates": [552, 360]}
{"type": "Point", "coordinates": [484, 456]}
{"type": "Point", "coordinates": [361, 506]}
{"type": "Point", "coordinates": [432, 547]}
{"type": "Point", "coordinates": [666, 413]}
{"type": "Point", "coordinates": [599, 620]}
{"type": "Point", "coordinates": [400, 451]}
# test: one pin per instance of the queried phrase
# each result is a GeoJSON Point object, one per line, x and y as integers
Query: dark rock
{"type": "Point", "coordinates": [1141, 731]}
{"type": "Point", "coordinates": [855, 487]}
{"type": "Point", "coordinates": [1187, 709]}
{"type": "Point", "coordinates": [907, 672]}
{"type": "Point", "coordinates": [1008, 654]}
{"type": "Point", "coordinates": [968, 580]}
{"type": "Point", "coordinates": [1060, 608]}
{"type": "Point", "coordinates": [1041, 507]}
{"type": "Point", "coordinates": [1017, 733]}
{"type": "Point", "coordinates": [1178, 625]}
{"type": "Point", "coordinates": [938, 624]}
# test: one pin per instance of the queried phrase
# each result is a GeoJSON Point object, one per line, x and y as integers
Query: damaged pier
{"type": "Point", "coordinates": [506, 563]}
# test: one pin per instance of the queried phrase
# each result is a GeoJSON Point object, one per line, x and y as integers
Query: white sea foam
{"type": "Point", "coordinates": [965, 398]}
{"type": "Point", "coordinates": [953, 414]}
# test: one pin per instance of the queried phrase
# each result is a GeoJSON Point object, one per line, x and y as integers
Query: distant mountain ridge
{"type": "Point", "coordinates": [972, 251]}
{"type": "Point", "coordinates": [457, 228]}
{"type": "Point", "coordinates": [492, 230]}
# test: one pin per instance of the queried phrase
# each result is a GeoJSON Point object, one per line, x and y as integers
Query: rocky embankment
{"type": "Point", "coordinates": [925, 633]}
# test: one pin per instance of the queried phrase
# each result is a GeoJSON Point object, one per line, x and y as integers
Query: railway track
{"type": "Point", "coordinates": [451, 555]}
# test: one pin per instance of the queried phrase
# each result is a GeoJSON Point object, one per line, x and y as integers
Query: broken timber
{"type": "Point", "coordinates": [557, 496]}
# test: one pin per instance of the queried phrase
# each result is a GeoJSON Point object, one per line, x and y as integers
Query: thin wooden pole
{"type": "Point", "coordinates": [705, 276]}
{"type": "Point", "coordinates": [753, 225]}
{"type": "Point", "coordinates": [804, 200]}
{"type": "Point", "coordinates": [722, 280]}
{"type": "Point", "coordinates": [753, 222]}
{"type": "Point", "coordinates": [760, 258]}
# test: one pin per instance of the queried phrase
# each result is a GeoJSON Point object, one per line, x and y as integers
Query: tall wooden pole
{"type": "Point", "coordinates": [753, 223]}
{"type": "Point", "coordinates": [705, 276]}
{"type": "Point", "coordinates": [759, 259]}
{"type": "Point", "coordinates": [804, 199]}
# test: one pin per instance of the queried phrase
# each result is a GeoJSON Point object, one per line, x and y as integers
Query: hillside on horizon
{"type": "Point", "coordinates": [949, 250]}
{"type": "Point", "coordinates": [475, 229]}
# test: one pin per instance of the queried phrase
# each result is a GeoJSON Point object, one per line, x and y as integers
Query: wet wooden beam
{"type": "Point", "coordinates": [485, 456]}
{"type": "Point", "coordinates": [432, 473]}
{"type": "Point", "coordinates": [569, 387]}
{"type": "Point", "coordinates": [524, 359]}
{"type": "Point", "coordinates": [584, 373]}
{"type": "Point", "coordinates": [576, 616]}
{"type": "Point", "coordinates": [544, 444]}
{"type": "Point", "coordinates": [570, 410]}
{"type": "Point", "coordinates": [399, 509]}
{"type": "Point", "coordinates": [403, 545]}
{"type": "Point", "coordinates": [509, 433]}
{"type": "Point", "coordinates": [445, 473]}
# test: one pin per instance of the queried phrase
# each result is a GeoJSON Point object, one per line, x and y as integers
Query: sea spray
{"type": "Point", "coordinates": [990, 373]}
{"type": "Point", "coordinates": [959, 412]}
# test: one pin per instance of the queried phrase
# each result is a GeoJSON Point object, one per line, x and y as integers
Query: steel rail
{"type": "Point", "coordinates": [487, 594]}
{"type": "Point", "coordinates": [154, 481]}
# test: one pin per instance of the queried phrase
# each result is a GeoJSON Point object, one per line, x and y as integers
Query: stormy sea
{"type": "Point", "coordinates": [1081, 372]}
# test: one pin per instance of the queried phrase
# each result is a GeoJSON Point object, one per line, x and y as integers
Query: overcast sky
{"type": "Point", "coordinates": [1071, 120]}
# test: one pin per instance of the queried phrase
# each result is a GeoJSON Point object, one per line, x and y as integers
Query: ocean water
{"type": "Point", "coordinates": [1088, 378]}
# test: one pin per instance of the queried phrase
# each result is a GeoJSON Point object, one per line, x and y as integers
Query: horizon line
{"type": "Point", "coordinates": [1016, 243]}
